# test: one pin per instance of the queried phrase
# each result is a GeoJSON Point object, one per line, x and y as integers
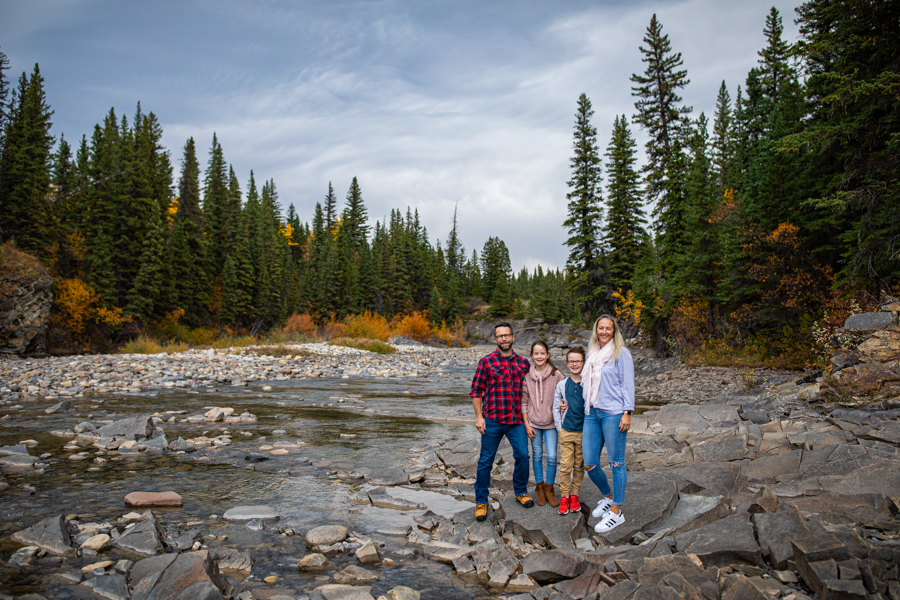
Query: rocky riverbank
{"type": "Point", "coordinates": [732, 493]}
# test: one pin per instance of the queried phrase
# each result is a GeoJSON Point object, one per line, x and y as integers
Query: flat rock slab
{"type": "Point", "coordinates": [354, 574]}
{"type": "Point", "coordinates": [649, 502]}
{"type": "Point", "coordinates": [880, 477]}
{"type": "Point", "coordinates": [111, 587]}
{"type": "Point", "coordinates": [775, 532]}
{"type": "Point", "coordinates": [250, 513]}
{"type": "Point", "coordinates": [135, 428]}
{"type": "Point", "coordinates": [231, 559]}
{"type": "Point", "coordinates": [719, 412]}
{"type": "Point", "coordinates": [145, 538]}
{"type": "Point", "coordinates": [542, 524]}
{"type": "Point", "coordinates": [549, 566]}
{"type": "Point", "coordinates": [868, 321]}
{"type": "Point", "coordinates": [19, 449]}
{"type": "Point", "coordinates": [693, 511]}
{"type": "Point", "coordinates": [723, 447]}
{"type": "Point", "coordinates": [494, 565]}
{"type": "Point", "coordinates": [17, 461]}
{"type": "Point", "coordinates": [655, 570]}
{"type": "Point", "coordinates": [445, 552]}
{"type": "Point", "coordinates": [703, 479]}
{"type": "Point", "coordinates": [380, 498]}
{"type": "Point", "coordinates": [336, 591]}
{"type": "Point", "coordinates": [326, 535]}
{"type": "Point", "coordinates": [147, 499]}
{"type": "Point", "coordinates": [192, 575]}
{"type": "Point", "coordinates": [50, 534]}
{"type": "Point", "coordinates": [775, 467]}
{"type": "Point", "coordinates": [886, 431]}
{"type": "Point", "coordinates": [726, 542]}
{"type": "Point", "coordinates": [673, 415]}
{"type": "Point", "coordinates": [387, 477]}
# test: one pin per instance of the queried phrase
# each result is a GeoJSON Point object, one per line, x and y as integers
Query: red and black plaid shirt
{"type": "Point", "coordinates": [498, 380]}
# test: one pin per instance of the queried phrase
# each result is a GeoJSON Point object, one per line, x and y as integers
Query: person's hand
{"type": "Point", "coordinates": [530, 431]}
{"type": "Point", "coordinates": [479, 424]}
{"type": "Point", "coordinates": [625, 423]}
{"type": "Point", "coordinates": [562, 407]}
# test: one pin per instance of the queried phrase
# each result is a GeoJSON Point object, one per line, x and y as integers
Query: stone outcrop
{"type": "Point", "coordinates": [25, 299]}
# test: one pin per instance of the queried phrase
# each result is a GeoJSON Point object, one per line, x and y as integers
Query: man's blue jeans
{"type": "Point", "coordinates": [537, 454]}
{"type": "Point", "coordinates": [601, 429]}
{"type": "Point", "coordinates": [490, 441]}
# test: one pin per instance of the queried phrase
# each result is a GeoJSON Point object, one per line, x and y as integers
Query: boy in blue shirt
{"type": "Point", "coordinates": [568, 415]}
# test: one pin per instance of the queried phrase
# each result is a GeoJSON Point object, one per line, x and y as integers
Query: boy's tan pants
{"type": "Point", "coordinates": [570, 459]}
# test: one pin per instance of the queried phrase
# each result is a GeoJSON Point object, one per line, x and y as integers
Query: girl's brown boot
{"type": "Point", "coordinates": [541, 498]}
{"type": "Point", "coordinates": [548, 495]}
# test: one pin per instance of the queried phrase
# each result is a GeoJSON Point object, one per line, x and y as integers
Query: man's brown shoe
{"type": "Point", "coordinates": [480, 512]}
{"type": "Point", "coordinates": [539, 489]}
{"type": "Point", "coordinates": [525, 500]}
{"type": "Point", "coordinates": [548, 494]}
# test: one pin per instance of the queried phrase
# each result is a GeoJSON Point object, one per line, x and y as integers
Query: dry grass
{"type": "Point", "coordinates": [377, 346]}
{"type": "Point", "coordinates": [142, 344]}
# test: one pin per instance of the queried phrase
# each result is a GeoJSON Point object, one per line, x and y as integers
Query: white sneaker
{"type": "Point", "coordinates": [609, 521]}
{"type": "Point", "coordinates": [602, 508]}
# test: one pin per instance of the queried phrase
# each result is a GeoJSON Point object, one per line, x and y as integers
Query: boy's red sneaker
{"type": "Point", "coordinates": [574, 504]}
{"type": "Point", "coordinates": [564, 505]}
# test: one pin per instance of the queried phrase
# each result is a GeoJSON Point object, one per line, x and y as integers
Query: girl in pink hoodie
{"type": "Point", "coordinates": [537, 413]}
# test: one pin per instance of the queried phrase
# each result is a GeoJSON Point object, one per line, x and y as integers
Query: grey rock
{"type": "Point", "coordinates": [775, 532]}
{"type": "Point", "coordinates": [495, 564]}
{"type": "Point", "coordinates": [815, 549]}
{"type": "Point", "coordinates": [64, 406]}
{"type": "Point", "coordinates": [654, 592]}
{"type": "Point", "coordinates": [187, 576]}
{"type": "Point", "coordinates": [17, 462]}
{"type": "Point", "coordinates": [231, 559]}
{"type": "Point", "coordinates": [23, 556]}
{"type": "Point", "coordinates": [380, 498]}
{"type": "Point", "coordinates": [325, 535]}
{"type": "Point", "coordinates": [18, 449]}
{"type": "Point", "coordinates": [145, 538]}
{"type": "Point", "coordinates": [655, 570]}
{"type": "Point", "coordinates": [391, 476]}
{"type": "Point", "coordinates": [313, 562]}
{"type": "Point", "coordinates": [723, 447]}
{"type": "Point", "coordinates": [549, 566]}
{"type": "Point", "coordinates": [354, 574]}
{"type": "Point", "coordinates": [703, 479]}
{"type": "Point", "coordinates": [648, 504]}
{"type": "Point", "coordinates": [693, 511]}
{"type": "Point", "coordinates": [462, 565]}
{"type": "Point", "coordinates": [111, 587]}
{"type": "Point", "coordinates": [743, 589]}
{"type": "Point", "coordinates": [538, 526]}
{"type": "Point", "coordinates": [135, 428]}
{"type": "Point", "coordinates": [726, 542]}
{"type": "Point", "coordinates": [368, 553]}
{"type": "Point", "coordinates": [444, 552]}
{"type": "Point", "coordinates": [841, 589]}
{"type": "Point", "coordinates": [586, 584]}
{"type": "Point", "coordinates": [774, 468]}
{"type": "Point", "coordinates": [335, 591]}
{"type": "Point", "coordinates": [621, 591]}
{"type": "Point", "coordinates": [868, 321]}
{"type": "Point", "coordinates": [250, 513]}
{"type": "Point", "coordinates": [402, 593]}
{"type": "Point", "coordinates": [50, 534]}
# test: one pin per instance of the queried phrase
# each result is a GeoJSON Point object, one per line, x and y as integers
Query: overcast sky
{"type": "Point", "coordinates": [429, 103]}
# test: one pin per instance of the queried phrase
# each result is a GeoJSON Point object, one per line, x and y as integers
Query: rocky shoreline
{"type": "Point", "coordinates": [732, 494]}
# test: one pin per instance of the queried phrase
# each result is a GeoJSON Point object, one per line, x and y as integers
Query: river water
{"type": "Point", "coordinates": [391, 419]}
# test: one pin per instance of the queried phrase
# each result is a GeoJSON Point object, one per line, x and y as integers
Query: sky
{"type": "Point", "coordinates": [433, 105]}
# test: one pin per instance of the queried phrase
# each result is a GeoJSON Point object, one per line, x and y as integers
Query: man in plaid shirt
{"type": "Point", "coordinates": [497, 398]}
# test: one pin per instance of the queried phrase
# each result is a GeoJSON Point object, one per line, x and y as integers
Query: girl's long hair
{"type": "Point", "coordinates": [549, 362]}
{"type": "Point", "coordinates": [618, 341]}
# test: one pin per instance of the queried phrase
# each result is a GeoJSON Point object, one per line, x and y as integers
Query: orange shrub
{"type": "Point", "coordinates": [455, 334]}
{"type": "Point", "coordinates": [333, 328]}
{"type": "Point", "coordinates": [689, 326]}
{"type": "Point", "coordinates": [367, 325]}
{"type": "Point", "coordinates": [300, 324]}
{"type": "Point", "coordinates": [75, 300]}
{"type": "Point", "coordinates": [414, 325]}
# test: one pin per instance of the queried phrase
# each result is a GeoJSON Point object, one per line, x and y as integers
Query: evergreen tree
{"type": "Point", "coordinates": [661, 114]}
{"type": "Point", "coordinates": [625, 217]}
{"type": "Point", "coordinates": [25, 168]}
{"type": "Point", "coordinates": [722, 151]}
{"type": "Point", "coordinates": [330, 208]}
{"type": "Point", "coordinates": [217, 206]}
{"type": "Point", "coordinates": [584, 221]}
{"type": "Point", "coordinates": [187, 276]}
{"type": "Point", "coordinates": [143, 297]}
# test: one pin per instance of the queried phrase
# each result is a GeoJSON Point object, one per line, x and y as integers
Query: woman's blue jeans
{"type": "Point", "coordinates": [551, 437]}
{"type": "Point", "coordinates": [601, 429]}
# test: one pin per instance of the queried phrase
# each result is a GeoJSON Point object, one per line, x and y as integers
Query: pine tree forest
{"type": "Point", "coordinates": [751, 231]}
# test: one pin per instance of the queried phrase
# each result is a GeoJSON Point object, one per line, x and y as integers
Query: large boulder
{"type": "Point", "coordinates": [25, 299]}
{"type": "Point", "coordinates": [50, 534]}
{"type": "Point", "coordinates": [549, 566]}
{"type": "Point", "coordinates": [726, 542]}
{"type": "Point", "coordinates": [136, 428]}
{"type": "Point", "coordinates": [186, 576]}
{"type": "Point", "coordinates": [649, 501]}
{"type": "Point", "coordinates": [540, 526]}
{"type": "Point", "coordinates": [145, 538]}
{"type": "Point", "coordinates": [775, 532]}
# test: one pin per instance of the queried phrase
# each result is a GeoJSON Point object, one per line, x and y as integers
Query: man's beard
{"type": "Point", "coordinates": [504, 346]}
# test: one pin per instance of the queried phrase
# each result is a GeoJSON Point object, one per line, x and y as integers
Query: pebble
{"type": "Point", "coordinates": [271, 579]}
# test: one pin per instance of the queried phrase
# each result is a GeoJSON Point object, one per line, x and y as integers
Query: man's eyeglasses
{"type": "Point", "coordinates": [504, 336]}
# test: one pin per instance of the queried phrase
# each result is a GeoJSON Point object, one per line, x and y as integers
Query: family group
{"type": "Point", "coordinates": [570, 419]}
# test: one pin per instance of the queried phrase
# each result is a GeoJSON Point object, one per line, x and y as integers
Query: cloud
{"type": "Point", "coordinates": [431, 105]}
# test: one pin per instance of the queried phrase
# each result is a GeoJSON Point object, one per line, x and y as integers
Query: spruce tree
{"type": "Point", "coordinates": [661, 113]}
{"type": "Point", "coordinates": [722, 150]}
{"type": "Point", "coordinates": [216, 207]}
{"type": "Point", "coordinates": [625, 217]}
{"type": "Point", "coordinates": [143, 297]}
{"type": "Point", "coordinates": [25, 168]}
{"type": "Point", "coordinates": [584, 221]}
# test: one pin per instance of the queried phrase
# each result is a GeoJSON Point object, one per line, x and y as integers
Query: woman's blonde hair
{"type": "Point", "coordinates": [618, 341]}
